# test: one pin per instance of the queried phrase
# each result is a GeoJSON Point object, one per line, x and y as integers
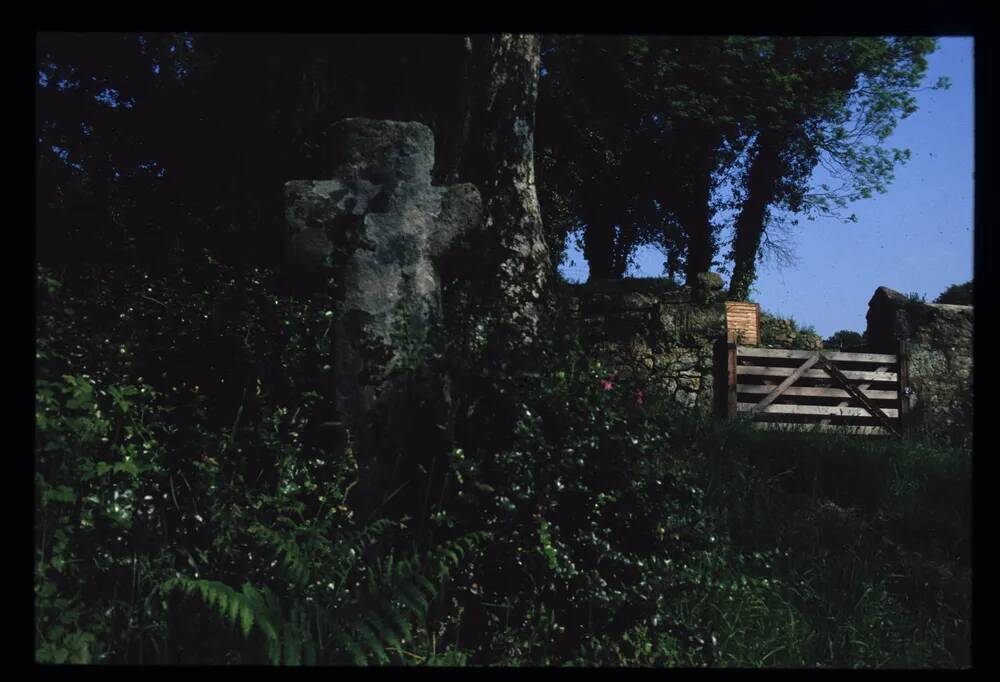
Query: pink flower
{"type": "Point", "coordinates": [638, 397]}
{"type": "Point", "coordinates": [606, 385]}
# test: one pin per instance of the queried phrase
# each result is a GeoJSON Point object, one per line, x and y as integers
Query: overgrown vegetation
{"type": "Point", "coordinates": [845, 340]}
{"type": "Point", "coordinates": [189, 509]}
{"type": "Point", "coordinates": [957, 294]}
{"type": "Point", "coordinates": [784, 332]}
{"type": "Point", "coordinates": [194, 462]}
{"type": "Point", "coordinates": [689, 135]}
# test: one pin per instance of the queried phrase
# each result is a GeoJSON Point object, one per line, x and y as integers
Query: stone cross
{"type": "Point", "coordinates": [382, 228]}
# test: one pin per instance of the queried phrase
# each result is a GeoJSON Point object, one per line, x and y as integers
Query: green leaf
{"type": "Point", "coordinates": [127, 467]}
{"type": "Point", "coordinates": [246, 619]}
{"type": "Point", "coordinates": [60, 493]}
{"type": "Point", "coordinates": [371, 640]}
{"type": "Point", "coordinates": [412, 597]}
{"type": "Point", "coordinates": [292, 648]}
{"type": "Point", "coordinates": [235, 607]}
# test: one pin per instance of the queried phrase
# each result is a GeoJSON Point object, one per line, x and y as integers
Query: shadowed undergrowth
{"type": "Point", "coordinates": [189, 508]}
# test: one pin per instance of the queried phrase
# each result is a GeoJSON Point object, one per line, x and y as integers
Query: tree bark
{"type": "Point", "coordinates": [762, 184]}
{"type": "Point", "coordinates": [500, 162]}
{"type": "Point", "coordinates": [696, 220]}
{"type": "Point", "coordinates": [766, 171]}
{"type": "Point", "coordinates": [599, 249]}
{"type": "Point", "coordinates": [625, 240]}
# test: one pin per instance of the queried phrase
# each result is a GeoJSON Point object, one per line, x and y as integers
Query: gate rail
{"type": "Point", "coordinates": [858, 393]}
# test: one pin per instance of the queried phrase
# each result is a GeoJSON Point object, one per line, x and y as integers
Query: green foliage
{"type": "Point", "coordinates": [835, 506]}
{"type": "Point", "coordinates": [325, 619]}
{"type": "Point", "coordinates": [659, 146]}
{"type": "Point", "coordinates": [957, 294]}
{"type": "Point", "coordinates": [189, 522]}
{"type": "Point", "coordinates": [99, 442]}
{"type": "Point", "coordinates": [684, 134]}
{"type": "Point", "coordinates": [785, 332]}
{"type": "Point", "coordinates": [844, 340]}
{"type": "Point", "coordinates": [219, 476]}
{"type": "Point", "coordinates": [627, 534]}
{"type": "Point", "coordinates": [577, 504]}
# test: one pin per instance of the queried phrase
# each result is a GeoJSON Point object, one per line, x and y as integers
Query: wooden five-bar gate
{"type": "Point", "coordinates": [860, 393]}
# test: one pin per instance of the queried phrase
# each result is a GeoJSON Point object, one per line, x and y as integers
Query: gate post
{"type": "Point", "coordinates": [903, 357]}
{"type": "Point", "coordinates": [731, 378]}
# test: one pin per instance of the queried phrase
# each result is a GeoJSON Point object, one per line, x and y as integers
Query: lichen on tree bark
{"type": "Point", "coordinates": [500, 161]}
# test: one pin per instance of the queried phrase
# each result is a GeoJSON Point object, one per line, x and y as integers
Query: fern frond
{"type": "Point", "coordinates": [350, 645]}
{"type": "Point", "coordinates": [380, 625]}
{"type": "Point", "coordinates": [412, 598]}
{"type": "Point", "coordinates": [243, 609]}
{"type": "Point", "coordinates": [291, 646]}
{"type": "Point", "coordinates": [428, 587]}
{"type": "Point", "coordinates": [246, 619]}
{"type": "Point", "coordinates": [371, 640]}
{"type": "Point", "coordinates": [387, 574]}
{"type": "Point", "coordinates": [274, 651]}
{"type": "Point", "coordinates": [235, 606]}
{"type": "Point", "coordinates": [397, 593]}
{"type": "Point", "coordinates": [310, 652]}
{"type": "Point", "coordinates": [399, 620]}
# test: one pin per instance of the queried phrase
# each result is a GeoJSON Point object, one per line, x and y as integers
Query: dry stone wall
{"type": "Point", "coordinates": [651, 329]}
{"type": "Point", "coordinates": [941, 355]}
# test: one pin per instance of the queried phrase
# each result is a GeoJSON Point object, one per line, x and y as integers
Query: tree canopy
{"type": "Point", "coordinates": [957, 294]}
{"type": "Point", "coordinates": [672, 141]}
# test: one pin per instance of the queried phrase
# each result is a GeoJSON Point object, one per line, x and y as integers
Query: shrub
{"type": "Point", "coordinates": [779, 332]}
{"type": "Point", "coordinates": [180, 447]}
{"type": "Point", "coordinates": [957, 294]}
{"type": "Point", "coordinates": [844, 340]}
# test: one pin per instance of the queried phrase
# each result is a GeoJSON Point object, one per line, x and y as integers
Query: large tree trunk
{"type": "Point", "coordinates": [696, 221]}
{"type": "Point", "coordinates": [766, 171]}
{"type": "Point", "coordinates": [500, 162]}
{"type": "Point", "coordinates": [599, 248]}
{"type": "Point", "coordinates": [606, 243]}
{"type": "Point", "coordinates": [607, 247]}
{"type": "Point", "coordinates": [626, 237]}
{"type": "Point", "coordinates": [762, 184]}
{"type": "Point", "coordinates": [495, 296]}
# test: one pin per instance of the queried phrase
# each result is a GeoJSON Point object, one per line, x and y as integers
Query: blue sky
{"type": "Point", "coordinates": [917, 237]}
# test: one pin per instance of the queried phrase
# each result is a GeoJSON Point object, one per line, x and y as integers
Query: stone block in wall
{"type": "Point", "coordinates": [686, 399]}
{"type": "Point", "coordinates": [941, 353]}
{"type": "Point", "coordinates": [689, 380]}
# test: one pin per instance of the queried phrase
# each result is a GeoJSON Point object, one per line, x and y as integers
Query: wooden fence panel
{"type": "Point", "coordinates": [857, 393]}
{"type": "Point", "coordinates": [824, 428]}
{"type": "Point", "coordinates": [819, 392]}
{"type": "Point", "coordinates": [884, 377]}
{"type": "Point", "coordinates": [835, 356]}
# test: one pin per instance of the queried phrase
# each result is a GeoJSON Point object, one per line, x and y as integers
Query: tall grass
{"type": "Point", "coordinates": [823, 551]}
{"type": "Point", "coordinates": [866, 543]}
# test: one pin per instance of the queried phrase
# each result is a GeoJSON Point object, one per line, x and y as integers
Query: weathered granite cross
{"type": "Point", "coordinates": [382, 226]}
